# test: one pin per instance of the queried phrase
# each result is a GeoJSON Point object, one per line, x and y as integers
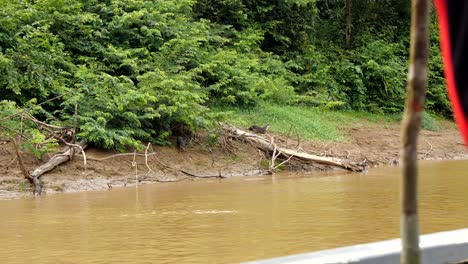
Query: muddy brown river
{"type": "Point", "coordinates": [227, 221]}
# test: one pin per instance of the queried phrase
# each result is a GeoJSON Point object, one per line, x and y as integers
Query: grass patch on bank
{"type": "Point", "coordinates": [309, 123]}
{"type": "Point", "coordinates": [429, 121]}
{"type": "Point", "coordinates": [313, 123]}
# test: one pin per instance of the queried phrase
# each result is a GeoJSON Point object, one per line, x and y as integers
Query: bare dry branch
{"type": "Point", "coordinates": [146, 156]}
{"type": "Point", "coordinates": [120, 155]}
{"type": "Point", "coordinates": [75, 124]}
{"type": "Point", "coordinates": [277, 166]}
{"type": "Point", "coordinates": [33, 119]}
{"type": "Point", "coordinates": [204, 176]}
{"type": "Point", "coordinates": [135, 164]}
{"type": "Point", "coordinates": [429, 151]}
{"type": "Point", "coordinates": [21, 163]}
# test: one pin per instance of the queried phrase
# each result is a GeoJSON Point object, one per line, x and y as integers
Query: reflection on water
{"type": "Point", "coordinates": [226, 221]}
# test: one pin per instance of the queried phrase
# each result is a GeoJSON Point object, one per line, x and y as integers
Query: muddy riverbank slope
{"type": "Point", "coordinates": [376, 144]}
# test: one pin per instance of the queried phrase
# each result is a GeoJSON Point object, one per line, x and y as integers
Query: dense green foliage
{"type": "Point", "coordinates": [141, 70]}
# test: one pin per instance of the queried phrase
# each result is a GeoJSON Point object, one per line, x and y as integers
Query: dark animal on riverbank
{"type": "Point", "coordinates": [181, 143]}
{"type": "Point", "coordinates": [259, 129]}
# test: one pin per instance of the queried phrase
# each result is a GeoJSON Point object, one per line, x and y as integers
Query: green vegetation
{"type": "Point", "coordinates": [309, 123]}
{"type": "Point", "coordinates": [140, 70]}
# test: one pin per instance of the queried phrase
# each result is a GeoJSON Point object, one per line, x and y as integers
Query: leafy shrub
{"type": "Point", "coordinates": [137, 69]}
{"type": "Point", "coordinates": [429, 122]}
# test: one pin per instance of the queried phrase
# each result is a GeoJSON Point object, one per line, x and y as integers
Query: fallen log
{"type": "Point", "coordinates": [270, 146]}
{"type": "Point", "coordinates": [54, 162]}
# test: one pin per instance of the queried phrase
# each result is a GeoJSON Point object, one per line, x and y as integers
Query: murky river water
{"type": "Point", "coordinates": [226, 221]}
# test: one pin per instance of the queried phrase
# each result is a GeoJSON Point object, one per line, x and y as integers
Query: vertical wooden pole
{"type": "Point", "coordinates": [416, 87]}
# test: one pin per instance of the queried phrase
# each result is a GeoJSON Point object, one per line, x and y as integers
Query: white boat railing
{"type": "Point", "coordinates": [449, 247]}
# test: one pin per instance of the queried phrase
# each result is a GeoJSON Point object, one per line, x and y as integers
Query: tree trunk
{"type": "Point", "coordinates": [414, 108]}
{"type": "Point", "coordinates": [348, 23]}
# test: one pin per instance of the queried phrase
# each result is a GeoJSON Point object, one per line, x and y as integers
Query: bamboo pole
{"type": "Point", "coordinates": [414, 108]}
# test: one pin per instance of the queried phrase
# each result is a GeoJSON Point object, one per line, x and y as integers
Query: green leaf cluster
{"type": "Point", "coordinates": [143, 70]}
{"type": "Point", "coordinates": [137, 69]}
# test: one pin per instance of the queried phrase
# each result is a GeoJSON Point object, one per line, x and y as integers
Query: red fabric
{"type": "Point", "coordinates": [459, 114]}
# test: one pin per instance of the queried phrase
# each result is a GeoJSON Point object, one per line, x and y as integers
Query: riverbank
{"type": "Point", "coordinates": [374, 142]}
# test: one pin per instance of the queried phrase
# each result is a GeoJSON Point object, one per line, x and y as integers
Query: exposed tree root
{"type": "Point", "coordinates": [203, 176]}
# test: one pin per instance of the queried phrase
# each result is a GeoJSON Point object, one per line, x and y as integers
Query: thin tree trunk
{"type": "Point", "coordinates": [414, 108]}
{"type": "Point", "coordinates": [21, 163]}
{"type": "Point", "coordinates": [348, 23]}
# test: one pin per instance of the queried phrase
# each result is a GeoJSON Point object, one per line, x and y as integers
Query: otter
{"type": "Point", "coordinates": [181, 143]}
{"type": "Point", "coordinates": [259, 129]}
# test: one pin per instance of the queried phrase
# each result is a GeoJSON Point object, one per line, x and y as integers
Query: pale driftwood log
{"type": "Point", "coordinates": [269, 146]}
{"type": "Point", "coordinates": [54, 162]}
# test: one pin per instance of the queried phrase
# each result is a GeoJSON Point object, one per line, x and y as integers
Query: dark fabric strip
{"type": "Point", "coordinates": [458, 28]}
{"type": "Point", "coordinates": [449, 20]}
